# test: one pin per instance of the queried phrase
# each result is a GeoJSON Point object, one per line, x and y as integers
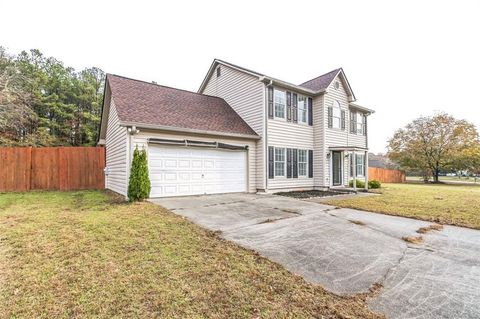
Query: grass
{"type": "Point", "coordinates": [445, 204]}
{"type": "Point", "coordinates": [87, 254]}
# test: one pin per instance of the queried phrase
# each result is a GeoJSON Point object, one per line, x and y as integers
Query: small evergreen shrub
{"type": "Point", "coordinates": [360, 184]}
{"type": "Point", "coordinates": [139, 182]}
{"type": "Point", "coordinates": [374, 184]}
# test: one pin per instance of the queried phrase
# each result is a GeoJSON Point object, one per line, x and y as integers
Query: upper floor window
{"type": "Point", "coordinates": [302, 109]}
{"type": "Point", "coordinates": [280, 101]}
{"type": "Point", "coordinates": [279, 161]}
{"type": "Point", "coordinates": [360, 123]}
{"type": "Point", "coordinates": [336, 115]}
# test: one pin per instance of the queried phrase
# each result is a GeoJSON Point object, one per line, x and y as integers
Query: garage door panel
{"type": "Point", "coordinates": [179, 171]}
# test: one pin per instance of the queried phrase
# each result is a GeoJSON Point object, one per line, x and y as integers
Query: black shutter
{"type": "Point", "coordinates": [270, 162]}
{"type": "Point", "coordinates": [295, 107]}
{"type": "Point", "coordinates": [343, 120]}
{"type": "Point", "coordinates": [289, 106]}
{"type": "Point", "coordinates": [295, 163]}
{"type": "Point", "coordinates": [352, 131]}
{"type": "Point", "coordinates": [289, 163]}
{"type": "Point", "coordinates": [310, 163]}
{"type": "Point", "coordinates": [330, 117]}
{"type": "Point", "coordinates": [365, 125]}
{"type": "Point", "coordinates": [270, 102]}
{"type": "Point", "coordinates": [354, 123]}
{"type": "Point", "coordinates": [310, 111]}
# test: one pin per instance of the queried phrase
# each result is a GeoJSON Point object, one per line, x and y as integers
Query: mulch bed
{"type": "Point", "coordinates": [309, 194]}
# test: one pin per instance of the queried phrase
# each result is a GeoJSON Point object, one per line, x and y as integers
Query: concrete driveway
{"type": "Point", "coordinates": [439, 278]}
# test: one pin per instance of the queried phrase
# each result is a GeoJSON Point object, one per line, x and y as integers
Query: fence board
{"type": "Point", "coordinates": [48, 168]}
{"type": "Point", "coordinates": [386, 175]}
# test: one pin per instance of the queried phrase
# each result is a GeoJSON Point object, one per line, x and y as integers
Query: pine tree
{"type": "Point", "coordinates": [139, 182]}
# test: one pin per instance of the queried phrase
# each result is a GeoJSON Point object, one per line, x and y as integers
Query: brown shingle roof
{"type": "Point", "coordinates": [147, 103]}
{"type": "Point", "coordinates": [321, 82]}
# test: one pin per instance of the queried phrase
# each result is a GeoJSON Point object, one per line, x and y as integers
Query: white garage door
{"type": "Point", "coordinates": [179, 171]}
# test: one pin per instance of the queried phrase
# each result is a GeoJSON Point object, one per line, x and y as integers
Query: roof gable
{"type": "Point", "coordinates": [155, 105]}
{"type": "Point", "coordinates": [323, 82]}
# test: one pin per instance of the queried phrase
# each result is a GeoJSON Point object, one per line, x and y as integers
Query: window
{"type": "Point", "coordinates": [336, 115]}
{"type": "Point", "coordinates": [360, 161]}
{"type": "Point", "coordinates": [279, 162]}
{"type": "Point", "coordinates": [302, 163]}
{"type": "Point", "coordinates": [302, 109]}
{"type": "Point", "coordinates": [280, 100]}
{"type": "Point", "coordinates": [360, 123]}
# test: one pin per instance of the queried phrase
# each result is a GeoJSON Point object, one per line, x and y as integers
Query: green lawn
{"type": "Point", "coordinates": [442, 203]}
{"type": "Point", "coordinates": [87, 254]}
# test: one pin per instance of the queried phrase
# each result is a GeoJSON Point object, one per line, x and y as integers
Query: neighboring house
{"type": "Point", "coordinates": [242, 132]}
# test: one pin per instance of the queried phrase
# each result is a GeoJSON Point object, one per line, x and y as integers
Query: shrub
{"type": "Point", "coordinates": [139, 182]}
{"type": "Point", "coordinates": [360, 184]}
{"type": "Point", "coordinates": [374, 184]}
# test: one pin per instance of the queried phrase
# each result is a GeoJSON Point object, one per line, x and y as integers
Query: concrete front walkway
{"type": "Point", "coordinates": [349, 251]}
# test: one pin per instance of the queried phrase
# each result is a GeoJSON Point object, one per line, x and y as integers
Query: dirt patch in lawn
{"type": "Point", "coordinates": [83, 254]}
{"type": "Point", "coordinates": [417, 240]}
{"type": "Point", "coordinates": [443, 204]}
{"type": "Point", "coordinates": [424, 230]}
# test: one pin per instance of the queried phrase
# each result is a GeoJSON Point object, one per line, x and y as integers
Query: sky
{"type": "Point", "coordinates": [404, 59]}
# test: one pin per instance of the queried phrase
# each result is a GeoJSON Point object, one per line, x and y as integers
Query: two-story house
{"type": "Point", "coordinates": [243, 131]}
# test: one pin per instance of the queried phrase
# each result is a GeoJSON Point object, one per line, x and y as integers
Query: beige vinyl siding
{"type": "Point", "coordinates": [290, 135]}
{"type": "Point", "coordinates": [359, 140]}
{"type": "Point", "coordinates": [245, 94]}
{"type": "Point", "coordinates": [116, 153]}
{"type": "Point", "coordinates": [140, 140]}
{"type": "Point", "coordinates": [319, 152]}
{"type": "Point", "coordinates": [335, 136]}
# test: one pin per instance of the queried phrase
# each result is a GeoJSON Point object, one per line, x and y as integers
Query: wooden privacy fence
{"type": "Point", "coordinates": [386, 175]}
{"type": "Point", "coordinates": [51, 168]}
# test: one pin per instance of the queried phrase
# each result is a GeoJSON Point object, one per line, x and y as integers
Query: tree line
{"type": "Point", "coordinates": [45, 103]}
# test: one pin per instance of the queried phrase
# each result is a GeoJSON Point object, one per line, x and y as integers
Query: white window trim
{"type": "Point", "coordinates": [360, 123]}
{"type": "Point", "coordinates": [306, 109]}
{"type": "Point", "coordinates": [275, 105]}
{"type": "Point", "coordinates": [306, 163]}
{"type": "Point", "coordinates": [363, 165]}
{"type": "Point", "coordinates": [336, 105]}
{"type": "Point", "coordinates": [275, 161]}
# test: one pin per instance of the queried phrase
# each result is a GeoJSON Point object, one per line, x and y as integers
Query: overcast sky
{"type": "Point", "coordinates": [403, 59]}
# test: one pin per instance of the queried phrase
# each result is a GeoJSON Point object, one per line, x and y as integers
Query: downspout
{"type": "Point", "coordinates": [265, 150]}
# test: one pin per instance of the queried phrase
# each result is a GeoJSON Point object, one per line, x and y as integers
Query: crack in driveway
{"type": "Point", "coordinates": [438, 279]}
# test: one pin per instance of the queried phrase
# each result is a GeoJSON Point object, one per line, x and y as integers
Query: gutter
{"type": "Point", "coordinates": [187, 130]}
{"type": "Point", "coordinates": [270, 81]}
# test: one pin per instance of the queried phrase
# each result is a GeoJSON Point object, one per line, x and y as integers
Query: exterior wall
{"type": "Point", "coordinates": [319, 151]}
{"type": "Point", "coordinates": [245, 94]}
{"type": "Point", "coordinates": [281, 133]}
{"type": "Point", "coordinates": [338, 137]}
{"type": "Point", "coordinates": [116, 153]}
{"type": "Point", "coordinates": [140, 140]}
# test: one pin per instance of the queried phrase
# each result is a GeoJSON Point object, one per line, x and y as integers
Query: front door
{"type": "Point", "coordinates": [337, 168]}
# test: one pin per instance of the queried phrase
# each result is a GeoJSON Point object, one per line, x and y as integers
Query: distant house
{"type": "Point", "coordinates": [381, 161]}
{"type": "Point", "coordinates": [242, 132]}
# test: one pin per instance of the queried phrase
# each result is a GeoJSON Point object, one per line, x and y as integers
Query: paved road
{"type": "Point", "coordinates": [439, 278]}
